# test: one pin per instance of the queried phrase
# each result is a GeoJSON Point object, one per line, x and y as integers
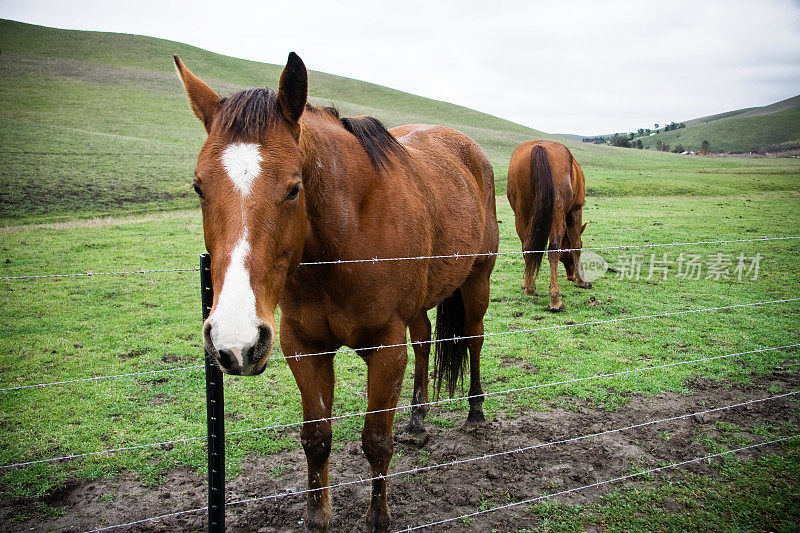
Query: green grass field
{"type": "Point", "coordinates": [97, 125]}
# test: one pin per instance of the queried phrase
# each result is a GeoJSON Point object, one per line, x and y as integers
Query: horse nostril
{"type": "Point", "coordinates": [207, 333]}
{"type": "Point", "coordinates": [226, 358]}
{"type": "Point", "coordinates": [247, 355]}
{"type": "Point", "coordinates": [261, 348]}
{"type": "Point", "coordinates": [265, 335]}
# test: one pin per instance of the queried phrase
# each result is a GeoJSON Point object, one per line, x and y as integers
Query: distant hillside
{"type": "Point", "coordinates": [743, 130]}
{"type": "Point", "coordinates": [573, 136]}
{"type": "Point", "coordinates": [96, 124]}
{"type": "Point", "coordinates": [94, 121]}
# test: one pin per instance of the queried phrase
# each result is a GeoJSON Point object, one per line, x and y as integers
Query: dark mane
{"type": "Point", "coordinates": [250, 113]}
{"type": "Point", "coordinates": [375, 138]}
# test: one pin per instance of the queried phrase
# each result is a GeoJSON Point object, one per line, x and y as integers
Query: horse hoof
{"type": "Point", "coordinates": [415, 427]}
{"type": "Point", "coordinates": [377, 522]}
{"type": "Point", "coordinates": [476, 418]}
{"type": "Point", "coordinates": [587, 285]}
{"type": "Point", "coordinates": [556, 309]}
{"type": "Point", "coordinates": [317, 521]}
{"type": "Point", "coordinates": [529, 292]}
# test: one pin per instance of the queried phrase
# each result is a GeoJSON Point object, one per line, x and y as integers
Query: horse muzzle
{"type": "Point", "coordinates": [236, 356]}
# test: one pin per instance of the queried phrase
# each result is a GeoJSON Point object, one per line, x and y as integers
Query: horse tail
{"type": "Point", "coordinates": [543, 204]}
{"type": "Point", "coordinates": [450, 348]}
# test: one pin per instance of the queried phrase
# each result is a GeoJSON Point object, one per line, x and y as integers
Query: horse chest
{"type": "Point", "coordinates": [355, 312]}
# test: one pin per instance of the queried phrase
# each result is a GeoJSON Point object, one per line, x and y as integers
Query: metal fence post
{"type": "Point", "coordinates": [215, 416]}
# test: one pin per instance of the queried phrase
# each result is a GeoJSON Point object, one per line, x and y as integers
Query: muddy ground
{"type": "Point", "coordinates": [444, 492]}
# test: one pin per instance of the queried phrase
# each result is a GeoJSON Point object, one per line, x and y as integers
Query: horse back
{"type": "Point", "coordinates": [434, 146]}
{"type": "Point", "coordinates": [456, 177]}
{"type": "Point", "coordinates": [444, 161]}
{"type": "Point", "coordinates": [566, 175]}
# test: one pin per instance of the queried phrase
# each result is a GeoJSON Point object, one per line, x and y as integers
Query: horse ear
{"type": "Point", "coordinates": [203, 99]}
{"type": "Point", "coordinates": [584, 226]}
{"type": "Point", "coordinates": [293, 89]}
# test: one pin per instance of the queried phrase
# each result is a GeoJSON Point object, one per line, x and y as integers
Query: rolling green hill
{"type": "Point", "coordinates": [97, 124]}
{"type": "Point", "coordinates": [742, 130]}
{"type": "Point", "coordinates": [93, 122]}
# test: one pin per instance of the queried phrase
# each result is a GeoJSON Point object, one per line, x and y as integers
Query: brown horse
{"type": "Point", "coordinates": [546, 190]}
{"type": "Point", "coordinates": [282, 183]}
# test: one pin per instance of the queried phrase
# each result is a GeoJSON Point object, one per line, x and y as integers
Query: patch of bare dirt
{"type": "Point", "coordinates": [443, 492]}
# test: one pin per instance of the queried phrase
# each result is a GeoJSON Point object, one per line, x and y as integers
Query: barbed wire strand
{"type": "Point", "coordinates": [100, 378]}
{"type": "Point", "coordinates": [509, 452]}
{"type": "Point", "coordinates": [544, 328]}
{"type": "Point", "coordinates": [103, 452]}
{"type": "Point", "coordinates": [600, 483]}
{"type": "Point", "coordinates": [412, 343]}
{"type": "Point", "coordinates": [461, 461]}
{"type": "Point", "coordinates": [398, 408]}
{"type": "Point", "coordinates": [523, 252]}
{"type": "Point", "coordinates": [422, 257]}
{"type": "Point", "coordinates": [151, 519]}
{"type": "Point", "coordinates": [93, 274]}
{"type": "Point", "coordinates": [509, 391]}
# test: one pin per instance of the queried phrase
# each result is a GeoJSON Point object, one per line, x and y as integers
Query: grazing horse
{"type": "Point", "coordinates": [546, 190]}
{"type": "Point", "coordinates": [283, 184]}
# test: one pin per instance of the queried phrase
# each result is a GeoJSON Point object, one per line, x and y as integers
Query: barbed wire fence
{"type": "Point", "coordinates": [193, 439]}
{"type": "Point", "coordinates": [417, 258]}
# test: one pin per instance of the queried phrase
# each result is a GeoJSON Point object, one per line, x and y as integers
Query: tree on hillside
{"type": "Point", "coordinates": [678, 149]}
{"type": "Point", "coordinates": [620, 140]}
{"type": "Point", "coordinates": [704, 146]}
{"type": "Point", "coordinates": [639, 144]}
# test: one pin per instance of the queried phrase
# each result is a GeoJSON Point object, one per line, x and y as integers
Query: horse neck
{"type": "Point", "coordinates": [337, 174]}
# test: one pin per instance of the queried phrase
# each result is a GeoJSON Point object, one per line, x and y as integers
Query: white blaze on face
{"type": "Point", "coordinates": [234, 323]}
{"type": "Point", "coordinates": [242, 162]}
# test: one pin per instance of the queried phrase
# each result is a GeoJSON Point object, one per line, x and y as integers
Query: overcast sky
{"type": "Point", "coordinates": [562, 67]}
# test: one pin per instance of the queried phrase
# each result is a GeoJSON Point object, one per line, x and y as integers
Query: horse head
{"type": "Point", "coordinates": [248, 178]}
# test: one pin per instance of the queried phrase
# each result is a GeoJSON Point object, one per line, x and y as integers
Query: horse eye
{"type": "Point", "coordinates": [197, 190]}
{"type": "Point", "coordinates": [293, 193]}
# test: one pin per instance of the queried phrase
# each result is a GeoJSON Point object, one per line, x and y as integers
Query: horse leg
{"type": "Point", "coordinates": [314, 377]}
{"type": "Point", "coordinates": [475, 293]}
{"type": "Point", "coordinates": [529, 277]}
{"type": "Point", "coordinates": [567, 258]}
{"type": "Point", "coordinates": [521, 223]}
{"type": "Point", "coordinates": [420, 329]}
{"type": "Point", "coordinates": [553, 255]}
{"type": "Point", "coordinates": [574, 230]}
{"type": "Point", "coordinates": [385, 369]}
